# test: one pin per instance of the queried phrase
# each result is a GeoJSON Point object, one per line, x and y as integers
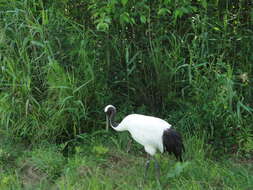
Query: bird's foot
{"type": "Point", "coordinates": [157, 167]}
{"type": "Point", "coordinates": [147, 164]}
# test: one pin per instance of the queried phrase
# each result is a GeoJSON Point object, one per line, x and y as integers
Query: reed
{"type": "Point", "coordinates": [188, 62]}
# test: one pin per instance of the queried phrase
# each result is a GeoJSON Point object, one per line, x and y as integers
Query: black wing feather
{"type": "Point", "coordinates": [173, 143]}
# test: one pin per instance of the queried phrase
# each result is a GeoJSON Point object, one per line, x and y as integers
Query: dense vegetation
{"type": "Point", "coordinates": [101, 162]}
{"type": "Point", "coordinates": [61, 62]}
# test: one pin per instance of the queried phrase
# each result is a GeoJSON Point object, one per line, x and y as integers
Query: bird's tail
{"type": "Point", "coordinates": [173, 143]}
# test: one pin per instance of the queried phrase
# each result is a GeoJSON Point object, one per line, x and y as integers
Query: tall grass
{"type": "Point", "coordinates": [46, 92]}
{"type": "Point", "coordinates": [188, 62]}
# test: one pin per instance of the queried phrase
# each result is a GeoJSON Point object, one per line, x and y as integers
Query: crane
{"type": "Point", "coordinates": [151, 132]}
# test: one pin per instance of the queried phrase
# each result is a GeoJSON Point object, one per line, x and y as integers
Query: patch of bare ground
{"type": "Point", "coordinates": [245, 161]}
{"type": "Point", "coordinates": [31, 175]}
{"type": "Point", "coordinates": [84, 171]}
{"type": "Point", "coordinates": [117, 163]}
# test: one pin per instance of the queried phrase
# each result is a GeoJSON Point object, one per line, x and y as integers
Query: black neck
{"type": "Point", "coordinates": [111, 120]}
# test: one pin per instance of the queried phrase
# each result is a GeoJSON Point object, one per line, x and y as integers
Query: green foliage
{"type": "Point", "coordinates": [44, 167]}
{"type": "Point", "coordinates": [189, 62]}
{"type": "Point", "coordinates": [100, 150]}
{"type": "Point", "coordinates": [179, 167]}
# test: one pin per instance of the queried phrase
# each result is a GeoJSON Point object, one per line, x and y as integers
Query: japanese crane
{"type": "Point", "coordinates": [151, 132]}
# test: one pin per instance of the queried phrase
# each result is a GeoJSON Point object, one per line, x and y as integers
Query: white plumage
{"type": "Point", "coordinates": [151, 132]}
{"type": "Point", "coordinates": [146, 130]}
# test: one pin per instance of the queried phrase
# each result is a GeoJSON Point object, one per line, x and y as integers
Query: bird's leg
{"type": "Point", "coordinates": [157, 167]}
{"type": "Point", "coordinates": [129, 144]}
{"type": "Point", "coordinates": [147, 164]}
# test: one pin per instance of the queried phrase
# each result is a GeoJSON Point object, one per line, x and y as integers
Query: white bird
{"type": "Point", "coordinates": [151, 132]}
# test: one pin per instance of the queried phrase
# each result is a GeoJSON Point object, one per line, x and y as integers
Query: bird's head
{"type": "Point", "coordinates": [109, 110]}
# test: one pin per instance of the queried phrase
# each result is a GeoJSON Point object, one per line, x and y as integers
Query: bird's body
{"type": "Point", "coordinates": [146, 130]}
{"type": "Point", "coordinates": [151, 132]}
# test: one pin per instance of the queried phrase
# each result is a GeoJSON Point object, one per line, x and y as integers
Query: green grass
{"type": "Point", "coordinates": [62, 62]}
{"type": "Point", "coordinates": [187, 60]}
{"type": "Point", "coordinates": [102, 162]}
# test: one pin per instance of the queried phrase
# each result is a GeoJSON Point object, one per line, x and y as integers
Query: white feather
{"type": "Point", "coordinates": [107, 107]}
{"type": "Point", "coordinates": [146, 130]}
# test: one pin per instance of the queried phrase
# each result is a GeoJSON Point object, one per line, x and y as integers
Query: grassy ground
{"type": "Point", "coordinates": [104, 161]}
{"type": "Point", "coordinates": [61, 62]}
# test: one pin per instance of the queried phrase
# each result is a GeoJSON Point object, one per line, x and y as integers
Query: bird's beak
{"type": "Point", "coordinates": [107, 123]}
